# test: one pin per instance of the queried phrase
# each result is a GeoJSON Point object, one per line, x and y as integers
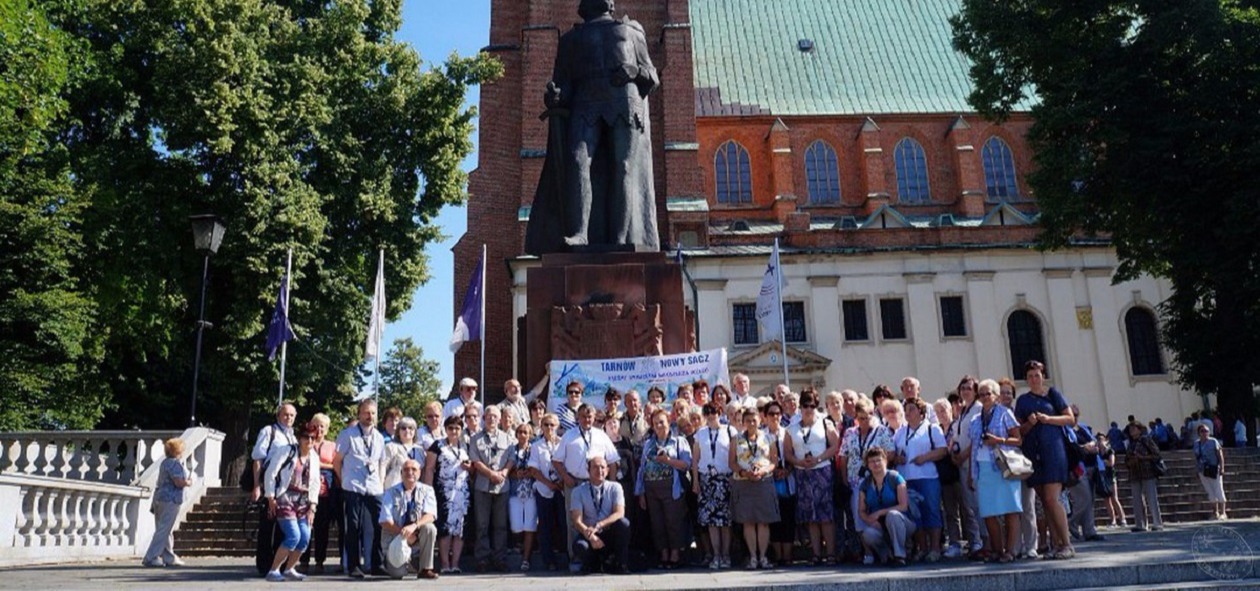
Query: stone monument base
{"type": "Point", "coordinates": [602, 306]}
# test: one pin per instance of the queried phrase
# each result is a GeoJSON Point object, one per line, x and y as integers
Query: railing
{"type": "Point", "coordinates": [114, 457]}
{"type": "Point", "coordinates": [81, 495]}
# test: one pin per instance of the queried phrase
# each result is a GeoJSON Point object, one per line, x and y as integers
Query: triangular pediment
{"type": "Point", "coordinates": [767, 356]}
{"type": "Point", "coordinates": [1004, 214]}
{"type": "Point", "coordinates": [885, 218]}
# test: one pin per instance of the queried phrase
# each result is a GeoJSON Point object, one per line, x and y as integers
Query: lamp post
{"type": "Point", "coordinates": [207, 235]}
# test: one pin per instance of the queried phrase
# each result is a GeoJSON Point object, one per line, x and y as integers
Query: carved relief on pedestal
{"type": "Point", "coordinates": [605, 331]}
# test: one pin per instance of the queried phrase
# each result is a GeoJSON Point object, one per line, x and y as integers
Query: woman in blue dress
{"type": "Point", "coordinates": [1043, 412]}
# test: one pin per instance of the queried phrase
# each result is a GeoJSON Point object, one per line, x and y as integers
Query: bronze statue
{"type": "Point", "coordinates": [596, 192]}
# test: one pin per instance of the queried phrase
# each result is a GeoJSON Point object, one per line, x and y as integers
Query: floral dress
{"type": "Point", "coordinates": [854, 446]}
{"type": "Point", "coordinates": [450, 482]}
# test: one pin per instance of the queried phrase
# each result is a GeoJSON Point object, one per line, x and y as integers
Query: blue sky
{"type": "Point", "coordinates": [436, 28]}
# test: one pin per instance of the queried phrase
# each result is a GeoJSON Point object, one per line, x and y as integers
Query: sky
{"type": "Point", "coordinates": [436, 28]}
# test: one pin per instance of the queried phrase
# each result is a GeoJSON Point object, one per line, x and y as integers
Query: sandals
{"type": "Point", "coordinates": [1006, 558]}
{"type": "Point", "coordinates": [1064, 553]}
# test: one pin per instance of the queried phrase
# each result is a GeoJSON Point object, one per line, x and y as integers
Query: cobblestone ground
{"type": "Point", "coordinates": [1201, 555]}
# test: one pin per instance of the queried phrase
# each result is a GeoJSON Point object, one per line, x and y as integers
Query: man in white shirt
{"type": "Point", "coordinates": [575, 447]}
{"type": "Point", "coordinates": [467, 394]}
{"type": "Point", "coordinates": [278, 435]}
{"type": "Point", "coordinates": [359, 466]}
{"type": "Point", "coordinates": [740, 395]}
{"type": "Point", "coordinates": [409, 509]}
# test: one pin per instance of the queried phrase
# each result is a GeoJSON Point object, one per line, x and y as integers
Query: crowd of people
{"type": "Point", "coordinates": [718, 479]}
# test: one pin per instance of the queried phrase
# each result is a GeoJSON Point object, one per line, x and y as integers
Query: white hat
{"type": "Point", "coordinates": [399, 552]}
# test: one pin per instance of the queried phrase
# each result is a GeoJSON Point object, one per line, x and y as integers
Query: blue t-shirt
{"type": "Point", "coordinates": [882, 497]}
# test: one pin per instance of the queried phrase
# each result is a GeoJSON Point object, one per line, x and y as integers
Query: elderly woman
{"type": "Point", "coordinates": [893, 414]}
{"type": "Point", "coordinates": [1140, 452]}
{"type": "Point", "coordinates": [952, 504]}
{"type": "Point", "coordinates": [329, 494]}
{"type": "Point", "coordinates": [867, 434]}
{"type": "Point", "coordinates": [791, 402]}
{"type": "Point", "coordinates": [168, 497]}
{"type": "Point", "coordinates": [1042, 414]}
{"type": "Point", "coordinates": [783, 532]}
{"type": "Point", "coordinates": [446, 469]}
{"type": "Point", "coordinates": [402, 448]}
{"type": "Point", "coordinates": [919, 445]}
{"type": "Point", "coordinates": [711, 474]}
{"type": "Point", "coordinates": [431, 430]}
{"type": "Point", "coordinates": [291, 487]}
{"type": "Point", "coordinates": [1000, 504]}
{"type": "Point", "coordinates": [810, 447]}
{"type": "Point", "coordinates": [1210, 459]}
{"type": "Point", "coordinates": [522, 504]}
{"type": "Point", "coordinates": [548, 488]}
{"type": "Point", "coordinates": [884, 505]}
{"type": "Point", "coordinates": [659, 488]}
{"type": "Point", "coordinates": [753, 499]}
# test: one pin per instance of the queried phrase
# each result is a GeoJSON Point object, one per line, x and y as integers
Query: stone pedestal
{"type": "Point", "coordinates": [601, 306]}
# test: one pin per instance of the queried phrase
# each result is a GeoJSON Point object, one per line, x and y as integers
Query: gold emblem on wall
{"type": "Point", "coordinates": [1085, 318]}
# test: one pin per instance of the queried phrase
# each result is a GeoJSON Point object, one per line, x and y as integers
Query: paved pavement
{"type": "Point", "coordinates": [1189, 556]}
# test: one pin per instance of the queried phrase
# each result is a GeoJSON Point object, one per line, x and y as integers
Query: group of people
{"type": "Point", "coordinates": [876, 479]}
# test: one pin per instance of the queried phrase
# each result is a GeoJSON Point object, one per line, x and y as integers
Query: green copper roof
{"type": "Point", "coordinates": [868, 57]}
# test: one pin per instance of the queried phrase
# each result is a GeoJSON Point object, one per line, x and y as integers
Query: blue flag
{"type": "Point", "coordinates": [468, 324]}
{"type": "Point", "coordinates": [279, 330]}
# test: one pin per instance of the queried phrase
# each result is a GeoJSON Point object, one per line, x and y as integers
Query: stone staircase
{"type": "Point", "coordinates": [220, 526]}
{"type": "Point", "coordinates": [1181, 496]}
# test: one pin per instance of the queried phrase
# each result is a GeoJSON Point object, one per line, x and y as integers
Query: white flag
{"type": "Point", "coordinates": [376, 324]}
{"type": "Point", "coordinates": [769, 301]}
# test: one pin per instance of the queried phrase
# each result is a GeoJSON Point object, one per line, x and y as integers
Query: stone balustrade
{"type": "Point", "coordinates": [86, 495]}
{"type": "Point", "coordinates": [113, 457]}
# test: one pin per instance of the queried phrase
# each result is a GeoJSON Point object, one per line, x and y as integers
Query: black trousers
{"type": "Point", "coordinates": [267, 541]}
{"type": "Point", "coordinates": [616, 548]}
{"type": "Point", "coordinates": [362, 515]}
{"type": "Point", "coordinates": [325, 517]}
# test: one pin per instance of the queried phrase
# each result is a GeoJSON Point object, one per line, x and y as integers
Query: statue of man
{"type": "Point", "coordinates": [596, 191]}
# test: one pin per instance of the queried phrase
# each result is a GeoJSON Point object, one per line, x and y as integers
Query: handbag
{"type": "Point", "coordinates": [1159, 467]}
{"type": "Point", "coordinates": [1013, 464]}
{"type": "Point", "coordinates": [1212, 471]}
{"type": "Point", "coordinates": [946, 469]}
{"type": "Point", "coordinates": [781, 488]}
{"type": "Point", "coordinates": [1102, 484]}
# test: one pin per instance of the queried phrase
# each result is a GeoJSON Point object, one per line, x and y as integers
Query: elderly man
{"type": "Point", "coordinates": [597, 509]}
{"type": "Point", "coordinates": [467, 395]}
{"type": "Point", "coordinates": [519, 403]}
{"type": "Point", "coordinates": [575, 447]}
{"type": "Point", "coordinates": [359, 464]}
{"type": "Point", "coordinates": [278, 435]}
{"type": "Point", "coordinates": [740, 385]}
{"type": "Point", "coordinates": [408, 509]}
{"type": "Point", "coordinates": [491, 463]}
{"type": "Point", "coordinates": [634, 426]}
{"type": "Point", "coordinates": [910, 389]}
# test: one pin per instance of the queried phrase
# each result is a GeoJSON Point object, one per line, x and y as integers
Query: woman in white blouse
{"type": "Point", "coordinates": [810, 447]}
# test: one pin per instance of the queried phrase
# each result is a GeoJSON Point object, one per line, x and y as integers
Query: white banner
{"type": "Point", "coordinates": [641, 374]}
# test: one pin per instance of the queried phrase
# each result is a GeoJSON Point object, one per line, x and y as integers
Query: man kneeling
{"type": "Point", "coordinates": [408, 510]}
{"type": "Point", "coordinates": [598, 509]}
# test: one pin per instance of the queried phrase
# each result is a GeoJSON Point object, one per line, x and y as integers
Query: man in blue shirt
{"type": "Point", "coordinates": [409, 509]}
{"type": "Point", "coordinates": [598, 510]}
{"type": "Point", "coordinates": [359, 466]}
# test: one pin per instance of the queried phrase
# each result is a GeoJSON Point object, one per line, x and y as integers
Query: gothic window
{"type": "Point", "coordinates": [1144, 357]}
{"type": "Point", "coordinates": [912, 172]}
{"type": "Point", "coordinates": [734, 174]}
{"type": "Point", "coordinates": [822, 174]}
{"type": "Point", "coordinates": [999, 170]}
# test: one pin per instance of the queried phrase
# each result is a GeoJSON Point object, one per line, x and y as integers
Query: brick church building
{"type": "Point", "coordinates": [841, 128]}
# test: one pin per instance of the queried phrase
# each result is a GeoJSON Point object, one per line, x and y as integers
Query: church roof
{"type": "Point", "coordinates": [828, 57]}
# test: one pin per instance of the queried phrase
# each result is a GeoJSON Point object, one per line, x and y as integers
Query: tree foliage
{"type": "Point", "coordinates": [306, 126]}
{"type": "Point", "coordinates": [1147, 130]}
{"type": "Point", "coordinates": [408, 380]}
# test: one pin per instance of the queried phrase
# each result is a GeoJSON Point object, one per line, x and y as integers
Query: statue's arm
{"type": "Point", "coordinates": [647, 78]}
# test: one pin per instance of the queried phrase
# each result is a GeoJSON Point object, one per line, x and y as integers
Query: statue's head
{"type": "Point", "coordinates": [589, 9]}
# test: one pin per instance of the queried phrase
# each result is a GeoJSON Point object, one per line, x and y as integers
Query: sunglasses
{"type": "Point", "coordinates": [575, 391]}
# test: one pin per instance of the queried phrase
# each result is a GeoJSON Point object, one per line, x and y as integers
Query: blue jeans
{"type": "Point", "coordinates": [551, 522]}
{"type": "Point", "coordinates": [297, 534]}
{"type": "Point", "coordinates": [930, 510]}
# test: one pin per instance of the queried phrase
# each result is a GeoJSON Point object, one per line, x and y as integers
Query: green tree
{"type": "Point", "coordinates": [306, 125]}
{"type": "Point", "coordinates": [1147, 130]}
{"type": "Point", "coordinates": [48, 350]}
{"type": "Point", "coordinates": [408, 380]}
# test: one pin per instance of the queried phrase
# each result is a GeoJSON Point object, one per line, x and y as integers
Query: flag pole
{"type": "Point", "coordinates": [482, 382]}
{"type": "Point", "coordinates": [782, 326]}
{"type": "Point", "coordinates": [376, 371]}
{"type": "Point", "coordinates": [284, 345]}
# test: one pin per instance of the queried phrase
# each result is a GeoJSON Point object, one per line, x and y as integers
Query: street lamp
{"type": "Point", "coordinates": [207, 235]}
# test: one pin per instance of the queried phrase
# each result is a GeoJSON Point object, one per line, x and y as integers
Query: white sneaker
{"type": "Point", "coordinates": [177, 561]}
{"type": "Point", "coordinates": [953, 551]}
{"type": "Point", "coordinates": [765, 562]}
{"type": "Point", "coordinates": [715, 564]}
{"type": "Point", "coordinates": [293, 575]}
{"type": "Point", "coordinates": [1032, 554]}
{"type": "Point", "coordinates": [275, 577]}
{"type": "Point", "coordinates": [725, 562]}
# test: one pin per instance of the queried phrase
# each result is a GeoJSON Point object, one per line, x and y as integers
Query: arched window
{"type": "Point", "coordinates": [912, 172]}
{"type": "Point", "coordinates": [1023, 332]}
{"type": "Point", "coordinates": [822, 173]}
{"type": "Point", "coordinates": [1144, 357]}
{"type": "Point", "coordinates": [999, 170]}
{"type": "Point", "coordinates": [734, 174]}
